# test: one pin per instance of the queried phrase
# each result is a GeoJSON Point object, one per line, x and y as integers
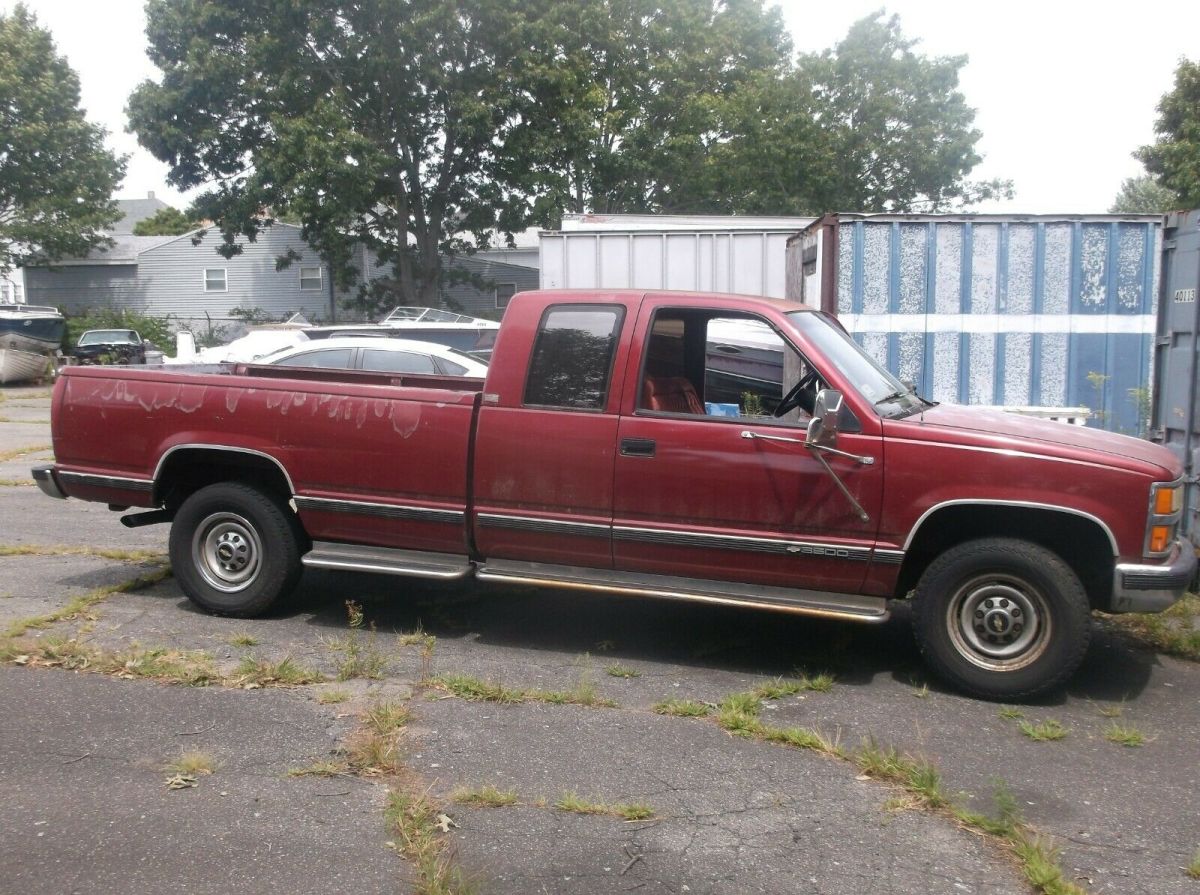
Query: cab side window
{"type": "Point", "coordinates": [572, 359]}
{"type": "Point", "coordinates": [701, 363]}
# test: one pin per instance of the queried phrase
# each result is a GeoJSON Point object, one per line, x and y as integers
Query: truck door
{"type": "Point", "coordinates": [546, 441]}
{"type": "Point", "coordinates": [710, 483]}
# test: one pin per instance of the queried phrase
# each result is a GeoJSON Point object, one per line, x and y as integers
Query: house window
{"type": "Point", "coordinates": [310, 278]}
{"type": "Point", "coordinates": [504, 292]}
{"type": "Point", "coordinates": [214, 279]}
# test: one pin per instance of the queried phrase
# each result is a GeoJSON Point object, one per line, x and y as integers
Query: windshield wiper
{"type": "Point", "coordinates": [894, 396]}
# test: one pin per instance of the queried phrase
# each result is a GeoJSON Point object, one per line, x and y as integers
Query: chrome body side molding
{"type": "Point", "coordinates": [385, 510]}
{"type": "Point", "coordinates": [106, 481]}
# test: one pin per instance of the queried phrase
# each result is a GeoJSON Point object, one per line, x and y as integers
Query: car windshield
{"type": "Point", "coordinates": [890, 396]}
{"type": "Point", "coordinates": [109, 337]}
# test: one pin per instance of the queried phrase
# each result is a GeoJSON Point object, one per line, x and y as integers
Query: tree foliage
{"type": "Point", "coordinates": [1143, 195]}
{"type": "Point", "coordinates": [56, 176]}
{"type": "Point", "coordinates": [377, 123]}
{"type": "Point", "coordinates": [869, 125]}
{"type": "Point", "coordinates": [1174, 157]}
{"type": "Point", "coordinates": [638, 93]}
{"type": "Point", "coordinates": [165, 222]}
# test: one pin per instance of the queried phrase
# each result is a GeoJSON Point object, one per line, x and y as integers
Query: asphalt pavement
{"type": "Point", "coordinates": [84, 756]}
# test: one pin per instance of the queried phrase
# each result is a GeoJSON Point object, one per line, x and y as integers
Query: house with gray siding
{"type": "Point", "coordinates": [183, 276]}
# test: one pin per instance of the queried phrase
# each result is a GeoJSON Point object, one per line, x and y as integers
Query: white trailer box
{"type": "Point", "coordinates": [701, 253]}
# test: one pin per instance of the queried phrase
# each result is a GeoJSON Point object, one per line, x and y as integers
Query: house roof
{"type": "Point", "coordinates": [134, 210]}
{"type": "Point", "coordinates": [124, 250]}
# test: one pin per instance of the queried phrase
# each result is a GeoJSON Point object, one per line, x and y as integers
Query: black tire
{"type": "Point", "coordinates": [235, 550]}
{"type": "Point", "coordinates": [1001, 618]}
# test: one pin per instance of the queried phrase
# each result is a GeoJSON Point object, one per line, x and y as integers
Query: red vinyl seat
{"type": "Point", "coordinates": [671, 394]}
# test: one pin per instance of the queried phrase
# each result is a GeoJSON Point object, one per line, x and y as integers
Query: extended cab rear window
{"type": "Point", "coordinates": [572, 359]}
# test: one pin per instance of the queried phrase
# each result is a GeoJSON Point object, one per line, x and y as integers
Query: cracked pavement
{"type": "Point", "coordinates": [731, 815]}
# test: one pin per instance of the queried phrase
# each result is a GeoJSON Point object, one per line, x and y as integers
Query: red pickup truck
{"type": "Point", "coordinates": [716, 448]}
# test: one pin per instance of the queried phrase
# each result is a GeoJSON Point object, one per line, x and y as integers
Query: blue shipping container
{"type": "Point", "coordinates": [1029, 310]}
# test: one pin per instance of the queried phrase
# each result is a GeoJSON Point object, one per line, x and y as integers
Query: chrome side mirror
{"type": "Point", "coordinates": [823, 427]}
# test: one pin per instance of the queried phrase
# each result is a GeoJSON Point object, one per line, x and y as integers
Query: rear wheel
{"type": "Point", "coordinates": [234, 549]}
{"type": "Point", "coordinates": [1002, 618]}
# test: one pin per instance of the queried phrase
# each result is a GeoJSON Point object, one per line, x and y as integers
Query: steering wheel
{"type": "Point", "coordinates": [802, 395]}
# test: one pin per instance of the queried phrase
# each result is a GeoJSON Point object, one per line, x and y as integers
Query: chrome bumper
{"type": "Point", "coordinates": [48, 481]}
{"type": "Point", "coordinates": [1146, 588]}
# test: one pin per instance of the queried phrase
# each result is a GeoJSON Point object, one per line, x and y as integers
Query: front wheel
{"type": "Point", "coordinates": [1002, 618]}
{"type": "Point", "coordinates": [234, 549]}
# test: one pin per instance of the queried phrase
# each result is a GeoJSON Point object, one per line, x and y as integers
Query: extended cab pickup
{"type": "Point", "coordinates": [716, 448]}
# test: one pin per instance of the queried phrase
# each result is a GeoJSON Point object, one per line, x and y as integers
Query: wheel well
{"type": "Point", "coordinates": [186, 471]}
{"type": "Point", "coordinates": [1079, 541]}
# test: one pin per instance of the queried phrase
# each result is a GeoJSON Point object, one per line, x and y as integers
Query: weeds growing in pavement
{"type": "Point", "coordinates": [487, 796]}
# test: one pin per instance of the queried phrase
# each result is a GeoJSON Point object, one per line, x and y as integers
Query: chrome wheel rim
{"type": "Point", "coordinates": [227, 552]}
{"type": "Point", "coordinates": [999, 622]}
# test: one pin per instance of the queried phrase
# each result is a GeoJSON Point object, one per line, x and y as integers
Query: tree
{"type": "Point", "coordinates": [637, 93]}
{"type": "Point", "coordinates": [869, 125]}
{"type": "Point", "coordinates": [377, 123]}
{"type": "Point", "coordinates": [56, 176]}
{"type": "Point", "coordinates": [1143, 195]}
{"type": "Point", "coordinates": [1174, 157]}
{"type": "Point", "coordinates": [165, 222]}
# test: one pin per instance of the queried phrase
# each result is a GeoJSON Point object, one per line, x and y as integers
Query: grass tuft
{"type": "Point", "coordinates": [286, 672]}
{"type": "Point", "coordinates": [333, 697]}
{"type": "Point", "coordinates": [475, 689]}
{"type": "Point", "coordinates": [569, 801]}
{"type": "Point", "coordinates": [361, 657]}
{"type": "Point", "coordinates": [192, 763]}
{"type": "Point", "coordinates": [1193, 869]}
{"type": "Point", "coordinates": [682, 708]}
{"type": "Point", "coordinates": [417, 825]}
{"type": "Point", "coordinates": [487, 796]}
{"type": "Point", "coordinates": [1009, 713]}
{"type": "Point", "coordinates": [1044, 731]}
{"type": "Point", "coordinates": [621, 671]}
{"type": "Point", "coordinates": [916, 775]}
{"type": "Point", "coordinates": [243, 638]}
{"type": "Point", "coordinates": [738, 713]}
{"type": "Point", "coordinates": [1124, 735]}
{"type": "Point", "coordinates": [479, 690]}
{"type": "Point", "coordinates": [387, 717]}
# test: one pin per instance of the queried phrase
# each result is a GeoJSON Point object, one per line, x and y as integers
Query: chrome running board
{"type": "Point", "coordinates": [385, 560]}
{"type": "Point", "coordinates": [852, 607]}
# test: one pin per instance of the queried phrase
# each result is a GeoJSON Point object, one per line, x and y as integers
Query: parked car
{"type": "Point", "coordinates": [380, 354]}
{"type": "Point", "coordinates": [110, 346]}
{"type": "Point", "coordinates": [652, 444]}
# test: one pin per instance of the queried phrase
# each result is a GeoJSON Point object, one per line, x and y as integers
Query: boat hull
{"type": "Point", "coordinates": [22, 366]}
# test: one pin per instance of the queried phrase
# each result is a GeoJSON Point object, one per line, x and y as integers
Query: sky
{"type": "Point", "coordinates": [1063, 90]}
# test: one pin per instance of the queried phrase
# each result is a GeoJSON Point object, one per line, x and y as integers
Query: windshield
{"type": "Point", "coordinates": [890, 396]}
{"type": "Point", "coordinates": [109, 337]}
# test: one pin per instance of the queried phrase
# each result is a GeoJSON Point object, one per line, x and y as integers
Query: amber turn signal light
{"type": "Point", "coordinates": [1160, 537]}
{"type": "Point", "coordinates": [1166, 501]}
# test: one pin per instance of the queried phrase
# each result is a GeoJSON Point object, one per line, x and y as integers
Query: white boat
{"type": "Point", "coordinates": [30, 327]}
{"type": "Point", "coordinates": [21, 366]}
{"type": "Point", "coordinates": [470, 334]}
